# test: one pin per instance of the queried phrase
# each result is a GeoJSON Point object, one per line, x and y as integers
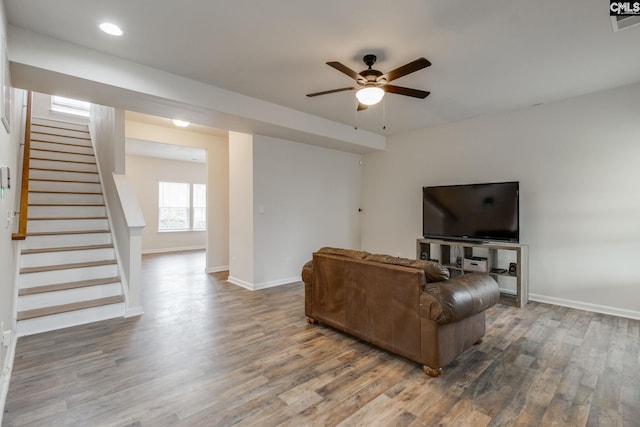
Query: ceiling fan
{"type": "Point", "coordinates": [373, 84]}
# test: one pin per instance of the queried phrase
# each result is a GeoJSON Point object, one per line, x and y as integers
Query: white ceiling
{"type": "Point", "coordinates": [488, 56]}
{"type": "Point", "coordinates": [138, 147]}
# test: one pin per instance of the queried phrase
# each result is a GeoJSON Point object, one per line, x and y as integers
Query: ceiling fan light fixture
{"type": "Point", "coordinates": [181, 123]}
{"type": "Point", "coordinates": [370, 95]}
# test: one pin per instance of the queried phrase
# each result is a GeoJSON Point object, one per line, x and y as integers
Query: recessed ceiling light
{"type": "Point", "coordinates": [180, 123]}
{"type": "Point", "coordinates": [111, 29]}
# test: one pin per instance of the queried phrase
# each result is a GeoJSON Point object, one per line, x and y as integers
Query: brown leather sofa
{"type": "Point", "coordinates": [409, 307]}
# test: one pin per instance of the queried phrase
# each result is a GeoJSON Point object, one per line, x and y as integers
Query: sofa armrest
{"type": "Point", "coordinates": [307, 278]}
{"type": "Point", "coordinates": [455, 299]}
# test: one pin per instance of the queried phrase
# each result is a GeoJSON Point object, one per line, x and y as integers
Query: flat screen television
{"type": "Point", "coordinates": [475, 212]}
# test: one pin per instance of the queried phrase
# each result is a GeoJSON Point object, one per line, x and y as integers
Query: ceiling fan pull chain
{"type": "Point", "coordinates": [384, 114]}
{"type": "Point", "coordinates": [356, 110]}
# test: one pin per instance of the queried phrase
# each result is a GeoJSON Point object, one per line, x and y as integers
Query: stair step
{"type": "Point", "coordinates": [29, 270]}
{"type": "Point", "coordinates": [65, 249]}
{"type": "Point", "coordinates": [62, 192]}
{"type": "Point", "coordinates": [63, 205]}
{"type": "Point", "coordinates": [58, 218]}
{"type": "Point", "coordinates": [63, 147]}
{"type": "Point", "coordinates": [69, 319]}
{"type": "Point", "coordinates": [66, 159]}
{"type": "Point", "coordinates": [65, 186]}
{"type": "Point", "coordinates": [47, 311]}
{"type": "Point", "coordinates": [44, 137]}
{"type": "Point", "coordinates": [58, 211]}
{"type": "Point", "coordinates": [60, 131]}
{"type": "Point", "coordinates": [68, 296]}
{"type": "Point", "coordinates": [57, 156]}
{"type": "Point", "coordinates": [61, 233]}
{"type": "Point", "coordinates": [62, 181]}
{"type": "Point", "coordinates": [63, 175]}
{"type": "Point", "coordinates": [52, 258]}
{"type": "Point", "coordinates": [51, 277]}
{"type": "Point", "coordinates": [62, 165]}
{"type": "Point", "coordinates": [63, 225]}
{"type": "Point", "coordinates": [49, 198]}
{"type": "Point", "coordinates": [66, 239]}
{"type": "Point", "coordinates": [69, 285]}
{"type": "Point", "coordinates": [62, 124]}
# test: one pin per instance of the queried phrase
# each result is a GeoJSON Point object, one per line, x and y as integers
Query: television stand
{"type": "Point", "coordinates": [505, 262]}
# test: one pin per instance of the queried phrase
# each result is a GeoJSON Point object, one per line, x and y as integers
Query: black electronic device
{"type": "Point", "coordinates": [472, 212]}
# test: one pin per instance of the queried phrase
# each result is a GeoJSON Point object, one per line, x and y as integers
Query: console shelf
{"type": "Point", "coordinates": [495, 257]}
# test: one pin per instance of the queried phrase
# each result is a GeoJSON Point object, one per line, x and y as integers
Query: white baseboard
{"type": "Point", "coordinates": [217, 269]}
{"type": "Point", "coordinates": [168, 250]}
{"type": "Point", "coordinates": [241, 283]}
{"type": "Point", "coordinates": [5, 374]}
{"type": "Point", "coordinates": [263, 285]}
{"type": "Point", "coordinates": [279, 282]}
{"type": "Point", "coordinates": [133, 311]}
{"type": "Point", "coordinates": [613, 311]}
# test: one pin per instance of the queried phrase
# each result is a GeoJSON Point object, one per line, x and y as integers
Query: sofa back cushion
{"type": "Point", "coordinates": [433, 271]}
{"type": "Point", "coordinates": [349, 253]}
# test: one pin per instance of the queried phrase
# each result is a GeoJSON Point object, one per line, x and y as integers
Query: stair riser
{"type": "Point", "coordinates": [60, 139]}
{"type": "Point", "coordinates": [61, 175]}
{"type": "Point", "coordinates": [68, 275]}
{"type": "Point", "coordinates": [69, 148]}
{"type": "Point", "coordinates": [35, 185]}
{"type": "Point", "coordinates": [58, 241]}
{"type": "Point", "coordinates": [38, 129]}
{"type": "Point", "coordinates": [66, 211]}
{"type": "Point", "coordinates": [65, 257]}
{"type": "Point", "coordinates": [47, 299]}
{"type": "Point", "coordinates": [63, 166]}
{"type": "Point", "coordinates": [66, 320]}
{"type": "Point", "coordinates": [59, 124]}
{"type": "Point", "coordinates": [54, 225]}
{"type": "Point", "coordinates": [65, 199]}
{"type": "Point", "coordinates": [67, 157]}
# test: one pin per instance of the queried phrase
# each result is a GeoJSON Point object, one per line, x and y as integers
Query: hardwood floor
{"type": "Point", "coordinates": [208, 353]}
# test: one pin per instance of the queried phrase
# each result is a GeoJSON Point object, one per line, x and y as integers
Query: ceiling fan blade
{"type": "Point", "coordinates": [361, 106]}
{"type": "Point", "coordinates": [416, 93]}
{"type": "Point", "coordinates": [346, 70]}
{"type": "Point", "coordinates": [330, 91]}
{"type": "Point", "coordinates": [409, 68]}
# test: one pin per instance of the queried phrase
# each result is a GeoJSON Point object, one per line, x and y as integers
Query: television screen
{"type": "Point", "coordinates": [483, 212]}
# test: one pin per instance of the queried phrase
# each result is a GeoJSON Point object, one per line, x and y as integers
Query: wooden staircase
{"type": "Point", "coordinates": [69, 274]}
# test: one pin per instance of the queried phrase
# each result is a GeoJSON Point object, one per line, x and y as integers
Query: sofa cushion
{"type": "Point", "coordinates": [433, 271]}
{"type": "Point", "coordinates": [349, 253]}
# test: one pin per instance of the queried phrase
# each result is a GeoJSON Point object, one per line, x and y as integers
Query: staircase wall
{"type": "Point", "coordinates": [107, 132]}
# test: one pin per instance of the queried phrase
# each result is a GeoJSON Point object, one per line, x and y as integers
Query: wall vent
{"type": "Point", "coordinates": [620, 23]}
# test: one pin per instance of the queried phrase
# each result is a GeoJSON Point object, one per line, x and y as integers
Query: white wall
{"type": "Point", "coordinates": [9, 203]}
{"type": "Point", "coordinates": [241, 209]}
{"type": "Point", "coordinates": [577, 163]}
{"type": "Point", "coordinates": [144, 174]}
{"type": "Point", "coordinates": [305, 197]}
{"type": "Point", "coordinates": [287, 200]}
{"type": "Point", "coordinates": [10, 155]}
{"type": "Point", "coordinates": [217, 182]}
